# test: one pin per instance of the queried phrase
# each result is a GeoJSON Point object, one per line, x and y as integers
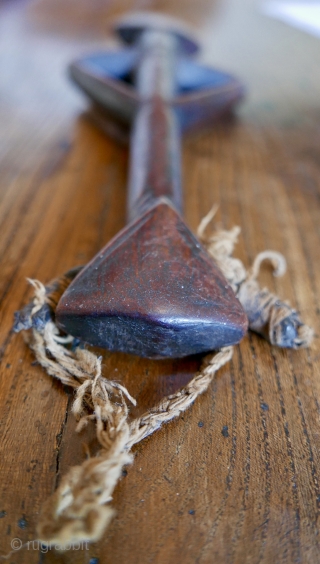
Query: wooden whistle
{"type": "Point", "coordinates": [153, 290]}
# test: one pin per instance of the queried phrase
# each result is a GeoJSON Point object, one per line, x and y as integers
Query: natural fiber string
{"type": "Point", "coordinates": [268, 315]}
{"type": "Point", "coordinates": [79, 510]}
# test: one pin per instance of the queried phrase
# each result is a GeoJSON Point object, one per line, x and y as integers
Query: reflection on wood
{"type": "Point", "coordinates": [236, 479]}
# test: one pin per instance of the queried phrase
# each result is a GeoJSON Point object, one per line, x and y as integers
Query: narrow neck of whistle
{"type": "Point", "coordinates": [156, 70]}
{"type": "Point", "coordinates": [155, 161]}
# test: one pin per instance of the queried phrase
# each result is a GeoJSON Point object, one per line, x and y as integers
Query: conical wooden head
{"type": "Point", "coordinates": [153, 291]}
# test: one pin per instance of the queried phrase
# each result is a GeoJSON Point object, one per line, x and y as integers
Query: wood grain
{"type": "Point", "coordinates": [236, 479]}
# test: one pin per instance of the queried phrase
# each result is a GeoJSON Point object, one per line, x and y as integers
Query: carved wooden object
{"type": "Point", "coordinates": [153, 290]}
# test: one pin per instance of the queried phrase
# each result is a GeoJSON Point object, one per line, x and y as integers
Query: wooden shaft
{"type": "Point", "coordinates": [155, 141]}
{"type": "Point", "coordinates": [153, 290]}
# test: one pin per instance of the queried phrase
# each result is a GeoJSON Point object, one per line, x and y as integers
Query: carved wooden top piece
{"type": "Point", "coordinates": [153, 291]}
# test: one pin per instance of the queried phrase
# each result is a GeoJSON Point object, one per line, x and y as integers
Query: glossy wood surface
{"type": "Point", "coordinates": [153, 291]}
{"type": "Point", "coordinates": [236, 479]}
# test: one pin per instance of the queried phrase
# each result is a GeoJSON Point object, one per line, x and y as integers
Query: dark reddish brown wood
{"type": "Point", "coordinates": [155, 144]}
{"type": "Point", "coordinates": [245, 459]}
{"type": "Point", "coordinates": [155, 159]}
{"type": "Point", "coordinates": [153, 291]}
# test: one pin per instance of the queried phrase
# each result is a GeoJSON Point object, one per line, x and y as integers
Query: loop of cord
{"type": "Point", "coordinates": [79, 510]}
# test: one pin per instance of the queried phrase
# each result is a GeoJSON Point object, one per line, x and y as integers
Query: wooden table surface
{"type": "Point", "coordinates": [236, 478]}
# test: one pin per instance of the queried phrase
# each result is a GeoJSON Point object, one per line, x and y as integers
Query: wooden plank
{"type": "Point", "coordinates": [236, 478]}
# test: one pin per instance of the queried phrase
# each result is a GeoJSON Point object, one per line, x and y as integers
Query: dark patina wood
{"type": "Point", "coordinates": [153, 290]}
{"type": "Point", "coordinates": [245, 459]}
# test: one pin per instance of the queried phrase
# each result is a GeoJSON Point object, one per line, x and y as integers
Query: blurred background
{"type": "Point", "coordinates": [38, 38]}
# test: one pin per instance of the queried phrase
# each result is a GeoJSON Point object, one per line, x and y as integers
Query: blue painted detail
{"type": "Point", "coordinates": [116, 64]}
{"type": "Point", "coordinates": [191, 76]}
{"type": "Point", "coordinates": [119, 64]}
